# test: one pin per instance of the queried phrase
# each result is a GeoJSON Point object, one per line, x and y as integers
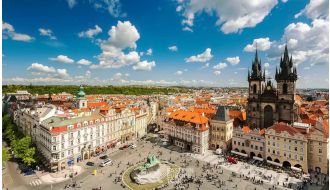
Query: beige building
{"type": "Point", "coordinates": [221, 130]}
{"type": "Point", "coordinates": [318, 146]}
{"type": "Point", "coordinates": [287, 145]}
{"type": "Point", "coordinates": [188, 130]}
{"type": "Point", "coordinates": [249, 142]}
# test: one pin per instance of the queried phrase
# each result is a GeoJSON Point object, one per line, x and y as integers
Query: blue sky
{"type": "Point", "coordinates": [184, 42]}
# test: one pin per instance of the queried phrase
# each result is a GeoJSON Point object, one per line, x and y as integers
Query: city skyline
{"type": "Point", "coordinates": [169, 43]}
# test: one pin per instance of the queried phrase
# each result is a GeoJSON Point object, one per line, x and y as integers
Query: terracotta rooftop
{"type": "Point", "coordinates": [188, 116]}
{"type": "Point", "coordinates": [280, 127]}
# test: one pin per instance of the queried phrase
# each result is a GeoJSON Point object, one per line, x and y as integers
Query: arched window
{"type": "Point", "coordinates": [254, 89]}
{"type": "Point", "coordinates": [285, 88]}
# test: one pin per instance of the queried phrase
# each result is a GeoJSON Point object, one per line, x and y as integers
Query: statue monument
{"type": "Point", "coordinates": [150, 172]}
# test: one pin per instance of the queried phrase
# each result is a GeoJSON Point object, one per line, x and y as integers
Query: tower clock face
{"type": "Point", "coordinates": [269, 88]}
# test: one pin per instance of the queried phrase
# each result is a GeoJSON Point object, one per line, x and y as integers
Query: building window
{"type": "Point", "coordinates": [284, 154]}
{"type": "Point", "coordinates": [239, 143]}
{"type": "Point", "coordinates": [301, 158]}
{"type": "Point", "coordinates": [320, 159]}
{"type": "Point", "coordinates": [62, 145]}
{"type": "Point", "coordinates": [296, 157]}
{"type": "Point", "coordinates": [251, 146]}
{"type": "Point", "coordinates": [273, 151]}
{"type": "Point", "coordinates": [242, 144]}
{"type": "Point", "coordinates": [268, 150]}
{"type": "Point", "coordinates": [295, 148]}
{"type": "Point", "coordinates": [256, 147]}
{"type": "Point", "coordinates": [268, 142]}
{"type": "Point", "coordinates": [320, 150]}
{"type": "Point", "coordinates": [320, 143]}
{"type": "Point", "coordinates": [234, 142]}
{"type": "Point", "coordinates": [285, 88]}
{"type": "Point", "coordinates": [260, 148]}
{"type": "Point", "coordinates": [54, 148]}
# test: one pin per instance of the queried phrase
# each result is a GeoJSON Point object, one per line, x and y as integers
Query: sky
{"type": "Point", "coordinates": [167, 42]}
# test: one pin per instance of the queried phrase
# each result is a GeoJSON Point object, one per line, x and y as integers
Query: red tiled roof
{"type": "Point", "coordinates": [280, 127]}
{"type": "Point", "coordinates": [96, 104]}
{"type": "Point", "coordinates": [188, 116]}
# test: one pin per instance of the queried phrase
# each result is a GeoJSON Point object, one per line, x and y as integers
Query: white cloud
{"type": "Point", "coordinates": [88, 74]}
{"type": "Point", "coordinates": [124, 35]}
{"type": "Point", "coordinates": [266, 65]}
{"type": "Point", "coordinates": [71, 3]}
{"type": "Point", "coordinates": [173, 48]}
{"type": "Point", "coordinates": [50, 71]}
{"type": "Point", "coordinates": [41, 68]}
{"type": "Point", "coordinates": [262, 43]}
{"type": "Point", "coordinates": [307, 43]}
{"type": "Point", "coordinates": [62, 59]}
{"type": "Point", "coordinates": [186, 28]}
{"type": "Point", "coordinates": [121, 37]}
{"type": "Point", "coordinates": [8, 31]}
{"type": "Point", "coordinates": [113, 7]}
{"type": "Point", "coordinates": [220, 66]}
{"type": "Point", "coordinates": [90, 33]}
{"type": "Point", "coordinates": [62, 73]}
{"type": "Point", "coordinates": [149, 51]}
{"type": "Point", "coordinates": [203, 57]}
{"type": "Point", "coordinates": [144, 66]}
{"type": "Point", "coordinates": [217, 72]}
{"type": "Point", "coordinates": [233, 60]}
{"type": "Point", "coordinates": [84, 62]}
{"type": "Point", "coordinates": [232, 16]}
{"type": "Point", "coordinates": [179, 8]}
{"type": "Point", "coordinates": [178, 73]}
{"type": "Point", "coordinates": [315, 9]}
{"type": "Point", "coordinates": [47, 32]}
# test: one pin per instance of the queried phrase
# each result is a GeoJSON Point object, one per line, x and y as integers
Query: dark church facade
{"type": "Point", "coordinates": [268, 104]}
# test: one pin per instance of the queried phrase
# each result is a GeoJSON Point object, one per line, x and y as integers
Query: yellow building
{"type": "Point", "coordinates": [298, 146]}
{"type": "Point", "coordinates": [221, 130]}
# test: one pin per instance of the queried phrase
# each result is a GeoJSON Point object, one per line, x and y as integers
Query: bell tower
{"type": "Point", "coordinates": [81, 100]}
{"type": "Point", "coordinates": [286, 77]}
{"type": "Point", "coordinates": [256, 80]}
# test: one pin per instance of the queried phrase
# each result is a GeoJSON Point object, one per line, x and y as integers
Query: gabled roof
{"type": "Point", "coordinates": [222, 114]}
{"type": "Point", "coordinates": [281, 127]}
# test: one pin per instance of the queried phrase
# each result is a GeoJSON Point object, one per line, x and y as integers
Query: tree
{"type": "Point", "coordinates": [5, 154]}
{"type": "Point", "coordinates": [28, 158]}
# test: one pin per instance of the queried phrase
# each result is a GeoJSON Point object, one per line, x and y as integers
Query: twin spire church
{"type": "Point", "coordinates": [267, 104]}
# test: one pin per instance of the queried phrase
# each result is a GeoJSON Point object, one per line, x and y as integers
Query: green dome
{"type": "Point", "coordinates": [81, 93]}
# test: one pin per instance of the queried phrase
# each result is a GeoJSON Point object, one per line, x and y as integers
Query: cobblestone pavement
{"type": "Point", "coordinates": [195, 166]}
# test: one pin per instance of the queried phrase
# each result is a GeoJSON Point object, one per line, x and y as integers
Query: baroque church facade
{"type": "Point", "coordinates": [267, 103]}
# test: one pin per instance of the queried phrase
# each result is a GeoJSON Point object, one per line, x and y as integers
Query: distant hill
{"type": "Point", "coordinates": [127, 90]}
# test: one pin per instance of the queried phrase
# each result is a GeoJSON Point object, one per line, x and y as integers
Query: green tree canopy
{"type": "Point", "coordinates": [5, 154]}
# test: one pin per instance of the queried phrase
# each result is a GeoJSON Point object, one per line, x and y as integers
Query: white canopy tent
{"type": "Point", "coordinates": [239, 153]}
{"type": "Point", "coordinates": [296, 169]}
{"type": "Point", "coordinates": [274, 163]}
{"type": "Point", "coordinates": [257, 158]}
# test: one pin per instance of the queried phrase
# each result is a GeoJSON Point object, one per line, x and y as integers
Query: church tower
{"type": "Point", "coordinates": [81, 100]}
{"type": "Point", "coordinates": [286, 78]}
{"type": "Point", "coordinates": [256, 80]}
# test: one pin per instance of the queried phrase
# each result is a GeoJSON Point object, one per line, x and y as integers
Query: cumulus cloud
{"type": "Point", "coordinates": [121, 37]}
{"type": "Point", "coordinates": [178, 73]}
{"type": "Point", "coordinates": [232, 16]}
{"type": "Point", "coordinates": [220, 66]}
{"type": "Point", "coordinates": [315, 9]}
{"type": "Point", "coordinates": [41, 68]}
{"type": "Point", "coordinates": [8, 31]}
{"type": "Point", "coordinates": [84, 62]}
{"type": "Point", "coordinates": [262, 44]}
{"type": "Point", "coordinates": [233, 60]}
{"type": "Point", "coordinates": [90, 33]}
{"type": "Point", "coordinates": [266, 65]}
{"type": "Point", "coordinates": [62, 59]}
{"type": "Point", "coordinates": [149, 51]}
{"type": "Point", "coordinates": [217, 72]}
{"type": "Point", "coordinates": [206, 65]}
{"type": "Point", "coordinates": [203, 57]}
{"type": "Point", "coordinates": [144, 66]}
{"type": "Point", "coordinates": [173, 48]}
{"type": "Point", "coordinates": [307, 43]}
{"type": "Point", "coordinates": [47, 32]}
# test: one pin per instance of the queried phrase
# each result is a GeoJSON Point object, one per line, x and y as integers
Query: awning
{"type": "Point", "coordinates": [239, 153]}
{"type": "Point", "coordinates": [257, 158]}
{"type": "Point", "coordinates": [274, 163]}
{"type": "Point", "coordinates": [296, 169]}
